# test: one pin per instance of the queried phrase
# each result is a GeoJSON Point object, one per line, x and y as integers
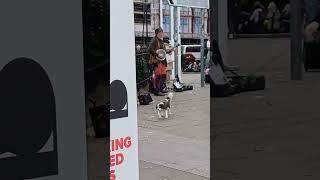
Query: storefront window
{"type": "Point", "coordinates": [184, 24]}
{"type": "Point", "coordinates": [166, 23]}
{"type": "Point", "coordinates": [197, 25]}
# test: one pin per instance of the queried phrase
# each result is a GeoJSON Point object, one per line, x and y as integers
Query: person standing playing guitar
{"type": "Point", "coordinates": [158, 61]}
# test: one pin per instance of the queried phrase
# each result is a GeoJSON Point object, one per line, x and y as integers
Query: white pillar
{"type": "Point", "coordinates": [172, 36]}
{"type": "Point", "coordinates": [179, 41]}
{"type": "Point", "coordinates": [161, 13]}
{"type": "Point", "coordinates": [223, 28]}
{"type": "Point", "coordinates": [123, 110]}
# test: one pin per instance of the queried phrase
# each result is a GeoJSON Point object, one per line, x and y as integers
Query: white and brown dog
{"type": "Point", "coordinates": [164, 106]}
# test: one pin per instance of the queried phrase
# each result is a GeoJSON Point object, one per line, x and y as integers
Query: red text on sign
{"type": "Point", "coordinates": [116, 159]}
{"type": "Point", "coordinates": [120, 143]}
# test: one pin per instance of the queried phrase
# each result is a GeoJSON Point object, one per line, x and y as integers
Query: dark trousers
{"type": "Point", "coordinates": [159, 83]}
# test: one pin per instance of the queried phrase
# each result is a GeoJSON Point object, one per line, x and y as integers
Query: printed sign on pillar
{"type": "Point", "coordinates": [123, 97]}
{"type": "Point", "coordinates": [42, 122]}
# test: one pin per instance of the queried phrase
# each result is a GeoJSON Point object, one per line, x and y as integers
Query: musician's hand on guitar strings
{"type": "Point", "coordinates": [160, 56]}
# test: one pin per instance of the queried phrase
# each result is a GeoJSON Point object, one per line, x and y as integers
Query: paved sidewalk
{"type": "Point", "coordinates": [97, 155]}
{"type": "Point", "coordinates": [177, 148]}
{"type": "Point", "coordinates": [272, 134]}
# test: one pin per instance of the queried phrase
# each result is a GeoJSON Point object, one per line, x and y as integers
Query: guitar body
{"type": "Point", "coordinates": [165, 52]}
{"type": "Point", "coordinates": [155, 61]}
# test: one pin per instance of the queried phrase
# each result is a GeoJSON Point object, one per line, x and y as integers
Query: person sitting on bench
{"type": "Point", "coordinates": [313, 18]}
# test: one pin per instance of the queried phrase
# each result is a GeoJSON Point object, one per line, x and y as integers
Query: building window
{"type": "Point", "coordinates": [184, 10]}
{"type": "Point", "coordinates": [139, 13]}
{"type": "Point", "coordinates": [166, 23]}
{"type": "Point", "coordinates": [184, 23]}
{"type": "Point", "coordinates": [208, 22]}
{"type": "Point", "coordinates": [166, 6]}
{"type": "Point", "coordinates": [197, 12]}
{"type": "Point", "coordinates": [139, 18]}
{"type": "Point", "coordinates": [197, 25]}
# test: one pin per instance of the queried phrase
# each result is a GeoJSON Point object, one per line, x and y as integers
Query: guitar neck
{"type": "Point", "coordinates": [172, 48]}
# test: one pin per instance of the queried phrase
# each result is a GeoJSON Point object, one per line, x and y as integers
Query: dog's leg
{"type": "Point", "coordinates": [159, 114]}
{"type": "Point", "coordinates": [169, 109]}
{"type": "Point", "coordinates": [166, 114]}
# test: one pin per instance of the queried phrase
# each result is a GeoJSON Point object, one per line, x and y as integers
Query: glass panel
{"type": "Point", "coordinates": [184, 23]}
{"type": "Point", "coordinates": [166, 23]}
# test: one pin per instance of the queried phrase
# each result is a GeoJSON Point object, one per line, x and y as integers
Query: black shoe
{"type": "Point", "coordinates": [164, 91]}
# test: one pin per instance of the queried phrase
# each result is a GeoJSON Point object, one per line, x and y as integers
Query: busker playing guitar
{"type": "Point", "coordinates": [158, 61]}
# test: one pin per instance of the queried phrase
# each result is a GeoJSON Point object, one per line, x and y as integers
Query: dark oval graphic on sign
{"type": "Point", "coordinates": [118, 100]}
{"type": "Point", "coordinates": [28, 103]}
{"type": "Point", "coordinates": [28, 118]}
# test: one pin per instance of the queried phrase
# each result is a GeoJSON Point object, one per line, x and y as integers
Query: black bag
{"type": "Point", "coordinates": [145, 99]}
{"type": "Point", "coordinates": [238, 84]}
{"type": "Point", "coordinates": [218, 90]}
{"type": "Point", "coordinates": [249, 83]}
{"type": "Point", "coordinates": [222, 85]}
{"type": "Point", "coordinates": [311, 55]}
{"type": "Point", "coordinates": [177, 87]}
{"type": "Point", "coordinates": [187, 87]}
{"type": "Point", "coordinates": [219, 84]}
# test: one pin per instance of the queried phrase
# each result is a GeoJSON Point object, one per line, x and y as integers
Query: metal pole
{"type": "Point", "coordinates": [202, 48]}
{"type": "Point", "coordinates": [172, 37]}
{"type": "Point", "coordinates": [161, 13]}
{"type": "Point", "coordinates": [176, 40]}
{"type": "Point", "coordinates": [179, 42]}
{"type": "Point", "coordinates": [143, 24]}
{"type": "Point", "coordinates": [147, 23]}
{"type": "Point", "coordinates": [296, 41]}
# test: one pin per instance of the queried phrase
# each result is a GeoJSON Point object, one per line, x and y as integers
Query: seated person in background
{"type": "Point", "coordinates": [273, 16]}
{"type": "Point", "coordinates": [285, 17]}
{"type": "Point", "coordinates": [285, 13]}
{"type": "Point", "coordinates": [256, 18]}
{"type": "Point", "coordinates": [195, 67]}
{"type": "Point", "coordinates": [313, 18]}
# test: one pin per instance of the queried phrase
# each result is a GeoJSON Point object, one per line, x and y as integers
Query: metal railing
{"type": "Point", "coordinates": [143, 69]}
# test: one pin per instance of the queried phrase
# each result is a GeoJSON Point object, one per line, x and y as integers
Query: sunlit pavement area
{"type": "Point", "coordinates": [177, 148]}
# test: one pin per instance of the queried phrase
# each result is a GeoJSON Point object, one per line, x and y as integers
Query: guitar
{"type": "Point", "coordinates": [162, 53]}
